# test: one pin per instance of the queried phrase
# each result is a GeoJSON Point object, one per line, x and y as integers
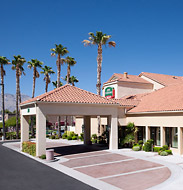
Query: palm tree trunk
{"type": "Point", "coordinates": [19, 94]}
{"type": "Point", "coordinates": [2, 95]}
{"type": "Point", "coordinates": [73, 84]}
{"type": "Point", "coordinates": [17, 98]}
{"type": "Point", "coordinates": [58, 85]}
{"type": "Point", "coordinates": [33, 92]}
{"type": "Point", "coordinates": [68, 73]}
{"type": "Point", "coordinates": [58, 71]}
{"type": "Point", "coordinates": [65, 123]}
{"type": "Point", "coordinates": [46, 88]}
{"type": "Point", "coordinates": [99, 67]}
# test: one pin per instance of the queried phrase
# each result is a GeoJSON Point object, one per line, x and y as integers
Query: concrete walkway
{"type": "Point", "coordinates": [120, 169]}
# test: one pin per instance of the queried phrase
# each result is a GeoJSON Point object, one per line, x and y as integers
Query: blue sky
{"type": "Point", "coordinates": [148, 34]}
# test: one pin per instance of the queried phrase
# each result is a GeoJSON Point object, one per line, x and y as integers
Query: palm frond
{"type": "Point", "coordinates": [112, 44]}
{"type": "Point", "coordinates": [86, 42]}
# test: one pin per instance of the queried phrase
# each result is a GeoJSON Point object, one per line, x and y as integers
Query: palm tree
{"type": "Point", "coordinates": [34, 63]}
{"type": "Point", "coordinates": [3, 61]}
{"type": "Point", "coordinates": [99, 39]}
{"type": "Point", "coordinates": [55, 84]}
{"type": "Point", "coordinates": [17, 65]}
{"type": "Point", "coordinates": [47, 71]}
{"type": "Point", "coordinates": [59, 50]}
{"type": "Point", "coordinates": [73, 80]}
{"type": "Point", "coordinates": [70, 62]}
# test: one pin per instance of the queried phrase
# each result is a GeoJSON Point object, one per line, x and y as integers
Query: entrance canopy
{"type": "Point", "coordinates": [69, 101]}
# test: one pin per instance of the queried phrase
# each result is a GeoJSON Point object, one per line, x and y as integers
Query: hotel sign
{"type": "Point", "coordinates": [110, 92]}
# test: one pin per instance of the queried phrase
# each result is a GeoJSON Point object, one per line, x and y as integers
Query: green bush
{"type": "Point", "coordinates": [29, 147]}
{"type": "Point", "coordinates": [74, 138]}
{"type": "Point", "coordinates": [56, 137]}
{"type": "Point", "coordinates": [52, 137]}
{"type": "Point", "coordinates": [169, 152]}
{"type": "Point", "coordinates": [151, 141]}
{"type": "Point", "coordinates": [81, 137]}
{"type": "Point", "coordinates": [136, 148]}
{"type": "Point", "coordinates": [69, 138]}
{"type": "Point", "coordinates": [157, 149]}
{"type": "Point", "coordinates": [141, 142]}
{"type": "Point", "coordinates": [163, 153]}
{"type": "Point", "coordinates": [94, 136]}
{"type": "Point", "coordinates": [47, 136]}
{"type": "Point", "coordinates": [128, 140]}
{"type": "Point", "coordinates": [64, 136]}
{"type": "Point", "coordinates": [165, 147]}
{"type": "Point", "coordinates": [43, 156]}
{"type": "Point", "coordinates": [10, 135]}
{"type": "Point", "coordinates": [94, 141]}
{"type": "Point", "coordinates": [147, 147]}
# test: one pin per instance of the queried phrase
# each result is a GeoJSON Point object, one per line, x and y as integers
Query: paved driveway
{"type": "Point", "coordinates": [19, 172]}
{"type": "Point", "coordinates": [122, 171]}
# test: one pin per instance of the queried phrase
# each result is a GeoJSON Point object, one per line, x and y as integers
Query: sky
{"type": "Point", "coordinates": [148, 36]}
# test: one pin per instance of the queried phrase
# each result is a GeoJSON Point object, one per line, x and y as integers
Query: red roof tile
{"type": "Point", "coordinates": [169, 98]}
{"type": "Point", "coordinates": [130, 78]}
{"type": "Point", "coordinates": [70, 94]}
{"type": "Point", "coordinates": [163, 79]}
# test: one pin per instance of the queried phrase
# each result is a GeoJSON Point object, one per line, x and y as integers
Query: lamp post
{"type": "Point", "coordinates": [3, 137]}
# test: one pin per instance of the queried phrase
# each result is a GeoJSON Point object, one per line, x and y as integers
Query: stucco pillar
{"type": "Point", "coordinates": [162, 135]}
{"type": "Point", "coordinates": [40, 132]}
{"type": "Point", "coordinates": [147, 133]}
{"type": "Point", "coordinates": [87, 136]}
{"type": "Point", "coordinates": [24, 129]}
{"type": "Point", "coordinates": [113, 135]}
{"type": "Point", "coordinates": [180, 140]}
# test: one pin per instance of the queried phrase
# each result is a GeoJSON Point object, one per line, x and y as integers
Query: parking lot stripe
{"type": "Point", "coordinates": [104, 163]}
{"type": "Point", "coordinates": [134, 172]}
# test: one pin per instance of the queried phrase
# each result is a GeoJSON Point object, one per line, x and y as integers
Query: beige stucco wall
{"type": "Point", "coordinates": [128, 88]}
{"type": "Point", "coordinates": [166, 119]}
{"type": "Point", "coordinates": [156, 85]}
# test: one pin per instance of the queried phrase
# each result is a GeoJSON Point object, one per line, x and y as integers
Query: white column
{"type": "Point", "coordinates": [40, 132]}
{"type": "Point", "coordinates": [24, 129]}
{"type": "Point", "coordinates": [113, 135]}
{"type": "Point", "coordinates": [87, 136]}
{"type": "Point", "coordinates": [180, 140]}
{"type": "Point", "coordinates": [162, 135]}
{"type": "Point", "coordinates": [147, 133]}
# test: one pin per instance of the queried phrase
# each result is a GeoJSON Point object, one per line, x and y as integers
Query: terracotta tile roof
{"type": "Point", "coordinates": [71, 94]}
{"type": "Point", "coordinates": [163, 79]}
{"type": "Point", "coordinates": [130, 100]}
{"type": "Point", "coordinates": [130, 78]}
{"type": "Point", "coordinates": [169, 98]}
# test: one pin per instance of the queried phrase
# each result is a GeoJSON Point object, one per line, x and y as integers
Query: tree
{"type": "Point", "coordinates": [59, 50]}
{"type": "Point", "coordinates": [73, 80]}
{"type": "Point", "coordinates": [99, 39]}
{"type": "Point", "coordinates": [55, 84]}
{"type": "Point", "coordinates": [70, 62]}
{"type": "Point", "coordinates": [17, 65]}
{"type": "Point", "coordinates": [47, 71]}
{"type": "Point", "coordinates": [34, 63]}
{"type": "Point", "coordinates": [3, 61]}
{"type": "Point", "coordinates": [7, 111]}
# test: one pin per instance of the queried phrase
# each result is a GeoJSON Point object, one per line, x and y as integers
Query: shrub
{"type": "Point", "coordinates": [64, 136]}
{"type": "Point", "coordinates": [47, 136]}
{"type": "Point", "coordinates": [165, 147]}
{"type": "Point", "coordinates": [147, 147]}
{"type": "Point", "coordinates": [151, 141]}
{"type": "Point", "coordinates": [169, 152]}
{"type": "Point", "coordinates": [136, 148]}
{"type": "Point", "coordinates": [10, 135]}
{"type": "Point", "coordinates": [94, 141]}
{"type": "Point", "coordinates": [56, 137]}
{"type": "Point", "coordinates": [52, 137]}
{"type": "Point", "coordinates": [141, 142]}
{"type": "Point", "coordinates": [163, 153]}
{"type": "Point", "coordinates": [74, 138]}
{"type": "Point", "coordinates": [43, 156]}
{"type": "Point", "coordinates": [69, 138]}
{"type": "Point", "coordinates": [157, 149]}
{"type": "Point", "coordinates": [81, 137]}
{"type": "Point", "coordinates": [128, 140]}
{"type": "Point", "coordinates": [94, 136]}
{"type": "Point", "coordinates": [29, 147]}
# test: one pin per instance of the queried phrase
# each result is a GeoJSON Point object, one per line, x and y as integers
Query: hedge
{"type": "Point", "coordinates": [29, 147]}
